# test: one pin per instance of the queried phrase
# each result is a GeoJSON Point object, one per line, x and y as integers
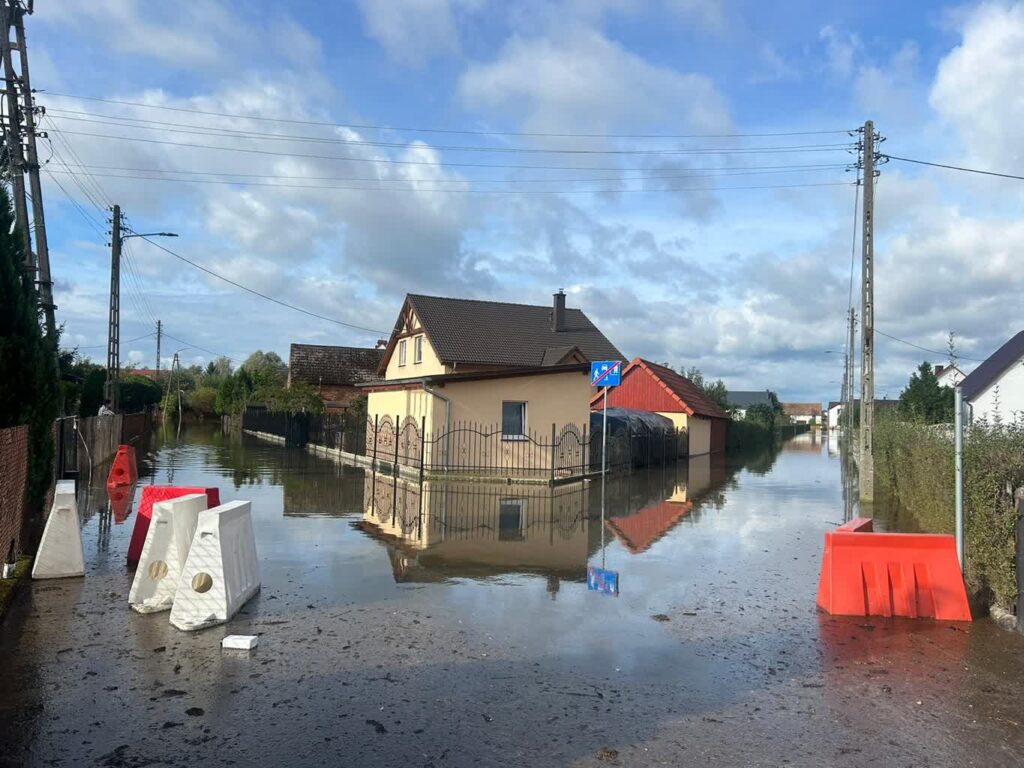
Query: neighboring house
{"type": "Point", "coordinates": [515, 370]}
{"type": "Point", "coordinates": [994, 390]}
{"type": "Point", "coordinates": [803, 413]}
{"type": "Point", "coordinates": [835, 409]}
{"type": "Point", "coordinates": [648, 386]}
{"type": "Point", "coordinates": [741, 401]}
{"type": "Point", "coordinates": [150, 373]}
{"type": "Point", "coordinates": [333, 372]}
{"type": "Point", "coordinates": [949, 375]}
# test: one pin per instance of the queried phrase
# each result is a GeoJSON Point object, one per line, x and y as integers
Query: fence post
{"type": "Point", "coordinates": [376, 421]}
{"type": "Point", "coordinates": [554, 453]}
{"type": "Point", "coordinates": [423, 451]}
{"type": "Point", "coordinates": [584, 448]}
{"type": "Point", "coordinates": [396, 445]}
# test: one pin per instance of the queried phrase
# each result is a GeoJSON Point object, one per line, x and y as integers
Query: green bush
{"type": "Point", "coordinates": [203, 402]}
{"type": "Point", "coordinates": [914, 462]}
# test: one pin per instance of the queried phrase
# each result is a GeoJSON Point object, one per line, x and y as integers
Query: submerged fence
{"type": "Point", "coordinates": [472, 449]}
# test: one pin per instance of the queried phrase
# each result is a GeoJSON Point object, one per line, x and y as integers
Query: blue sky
{"type": "Point", "coordinates": [749, 284]}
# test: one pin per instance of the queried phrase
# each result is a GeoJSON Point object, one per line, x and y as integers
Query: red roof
{"type": "Point", "coordinates": [674, 393]}
{"type": "Point", "coordinates": [641, 529]}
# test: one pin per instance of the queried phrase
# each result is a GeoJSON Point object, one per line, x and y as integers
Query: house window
{"type": "Point", "coordinates": [401, 352]}
{"type": "Point", "coordinates": [513, 420]}
{"type": "Point", "coordinates": [417, 350]}
{"type": "Point", "coordinates": [511, 520]}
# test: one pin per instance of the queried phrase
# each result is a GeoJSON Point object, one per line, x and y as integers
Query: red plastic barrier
{"type": "Point", "coordinates": [891, 574]}
{"type": "Point", "coordinates": [124, 470]}
{"type": "Point", "coordinates": [151, 494]}
{"type": "Point", "coordinates": [121, 501]}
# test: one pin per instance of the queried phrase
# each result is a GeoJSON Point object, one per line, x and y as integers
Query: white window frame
{"type": "Point", "coordinates": [417, 350]}
{"type": "Point", "coordinates": [401, 353]}
{"type": "Point", "coordinates": [520, 504]}
{"type": "Point", "coordinates": [522, 435]}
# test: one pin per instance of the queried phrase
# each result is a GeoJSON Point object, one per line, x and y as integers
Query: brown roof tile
{"type": "Point", "coordinates": [686, 391]}
{"type": "Point", "coordinates": [337, 366]}
{"type": "Point", "coordinates": [475, 332]}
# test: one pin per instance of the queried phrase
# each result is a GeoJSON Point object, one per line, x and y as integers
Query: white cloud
{"type": "Point", "coordinates": [585, 82]}
{"type": "Point", "coordinates": [707, 15]}
{"type": "Point", "coordinates": [978, 87]}
{"type": "Point", "coordinates": [841, 48]}
{"type": "Point", "coordinates": [415, 31]}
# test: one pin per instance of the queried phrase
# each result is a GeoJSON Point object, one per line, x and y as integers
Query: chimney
{"type": "Point", "coordinates": [558, 312]}
{"type": "Point", "coordinates": [381, 344]}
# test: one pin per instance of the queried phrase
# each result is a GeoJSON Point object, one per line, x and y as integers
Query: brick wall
{"type": "Point", "coordinates": [13, 480]}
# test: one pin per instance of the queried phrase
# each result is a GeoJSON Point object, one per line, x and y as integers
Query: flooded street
{"type": "Point", "coordinates": [451, 624]}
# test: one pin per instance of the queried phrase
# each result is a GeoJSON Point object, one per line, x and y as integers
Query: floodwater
{"type": "Point", "coordinates": [451, 625]}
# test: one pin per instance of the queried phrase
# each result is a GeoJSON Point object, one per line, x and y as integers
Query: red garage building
{"type": "Point", "coordinates": [647, 386]}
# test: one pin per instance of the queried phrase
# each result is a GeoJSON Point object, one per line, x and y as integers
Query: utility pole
{"type": "Point", "coordinates": [23, 157]}
{"type": "Point", "coordinates": [159, 333]}
{"type": "Point", "coordinates": [112, 387]}
{"type": "Point", "coordinates": [867, 335]}
{"type": "Point", "coordinates": [851, 398]}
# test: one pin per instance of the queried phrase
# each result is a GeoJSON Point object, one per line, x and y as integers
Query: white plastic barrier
{"type": "Point", "coordinates": [221, 572]}
{"type": "Point", "coordinates": [60, 553]}
{"type": "Point", "coordinates": [164, 552]}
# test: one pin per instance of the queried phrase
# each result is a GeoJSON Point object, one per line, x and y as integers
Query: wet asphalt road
{"type": "Point", "coordinates": [374, 651]}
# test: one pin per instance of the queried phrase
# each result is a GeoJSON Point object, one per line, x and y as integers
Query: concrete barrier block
{"type": "Point", "coordinates": [60, 554]}
{"type": "Point", "coordinates": [221, 572]}
{"type": "Point", "coordinates": [165, 552]}
{"type": "Point", "coordinates": [151, 494]}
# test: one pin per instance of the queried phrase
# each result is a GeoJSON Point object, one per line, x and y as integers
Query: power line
{"type": "Point", "coordinates": [200, 130]}
{"type": "Point", "coordinates": [364, 126]}
{"type": "Point", "coordinates": [129, 341]}
{"type": "Point", "coordinates": [925, 349]}
{"type": "Point", "coordinates": [196, 346]}
{"type": "Point", "coordinates": [750, 170]}
{"type": "Point", "coordinates": [477, 191]}
{"type": "Point", "coordinates": [954, 167]}
{"type": "Point", "coordinates": [261, 295]}
{"type": "Point", "coordinates": [392, 161]}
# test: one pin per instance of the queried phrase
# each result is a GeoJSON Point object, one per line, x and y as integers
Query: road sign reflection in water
{"type": "Point", "coordinates": [602, 580]}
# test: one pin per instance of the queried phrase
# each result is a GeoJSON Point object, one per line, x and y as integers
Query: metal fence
{"type": "Point", "coordinates": [14, 447]}
{"type": "Point", "coordinates": [472, 449]}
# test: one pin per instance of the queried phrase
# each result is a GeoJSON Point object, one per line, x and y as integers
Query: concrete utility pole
{"type": "Point", "coordinates": [112, 387]}
{"type": "Point", "coordinates": [848, 405]}
{"type": "Point", "coordinates": [23, 158]}
{"type": "Point", "coordinates": [159, 333]}
{"type": "Point", "coordinates": [867, 336]}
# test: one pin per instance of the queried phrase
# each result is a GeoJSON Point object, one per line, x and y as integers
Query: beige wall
{"type": "Point", "coordinates": [430, 366]}
{"type": "Point", "coordinates": [699, 436]}
{"type": "Point", "coordinates": [678, 418]}
{"type": "Point", "coordinates": [561, 398]}
{"type": "Point", "coordinates": [406, 402]}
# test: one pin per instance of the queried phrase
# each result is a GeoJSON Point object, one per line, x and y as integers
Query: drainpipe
{"type": "Point", "coordinates": [447, 418]}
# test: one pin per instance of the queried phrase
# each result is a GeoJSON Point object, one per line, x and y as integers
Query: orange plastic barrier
{"type": "Point", "coordinates": [891, 574]}
{"type": "Point", "coordinates": [121, 501]}
{"type": "Point", "coordinates": [124, 470]}
{"type": "Point", "coordinates": [151, 494]}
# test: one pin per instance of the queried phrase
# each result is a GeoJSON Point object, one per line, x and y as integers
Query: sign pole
{"type": "Point", "coordinates": [604, 436]}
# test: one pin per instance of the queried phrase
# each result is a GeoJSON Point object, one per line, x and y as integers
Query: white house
{"type": "Point", "coordinates": [949, 375]}
{"type": "Point", "coordinates": [994, 391]}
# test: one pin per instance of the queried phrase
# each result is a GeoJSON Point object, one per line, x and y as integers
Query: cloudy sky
{"type": "Point", "coordinates": [679, 167]}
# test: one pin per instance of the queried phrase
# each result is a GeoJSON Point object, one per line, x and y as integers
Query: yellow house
{"type": "Point", "coordinates": [484, 386]}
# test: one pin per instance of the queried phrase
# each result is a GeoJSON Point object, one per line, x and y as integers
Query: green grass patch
{"type": "Point", "coordinates": [9, 586]}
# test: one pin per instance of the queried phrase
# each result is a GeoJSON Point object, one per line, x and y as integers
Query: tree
{"type": "Point", "coordinates": [925, 400]}
{"type": "Point", "coordinates": [267, 369]}
{"type": "Point", "coordinates": [29, 391]}
{"type": "Point", "coordinates": [715, 390]}
{"type": "Point", "coordinates": [139, 393]}
{"type": "Point", "coordinates": [203, 402]}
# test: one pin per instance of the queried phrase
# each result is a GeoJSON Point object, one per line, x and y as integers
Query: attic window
{"type": "Point", "coordinates": [401, 352]}
{"type": "Point", "coordinates": [417, 350]}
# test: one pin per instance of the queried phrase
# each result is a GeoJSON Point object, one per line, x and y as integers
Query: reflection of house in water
{"type": "Point", "coordinates": [323, 494]}
{"type": "Point", "coordinates": [438, 530]}
{"type": "Point", "coordinates": [805, 441]}
{"type": "Point", "coordinates": [659, 500]}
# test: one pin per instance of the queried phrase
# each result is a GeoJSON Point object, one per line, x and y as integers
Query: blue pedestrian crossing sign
{"type": "Point", "coordinates": [602, 580]}
{"type": "Point", "coordinates": [606, 373]}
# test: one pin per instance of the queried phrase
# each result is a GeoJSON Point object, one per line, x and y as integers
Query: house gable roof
{"type": "Point", "coordinates": [801, 409]}
{"type": "Point", "coordinates": [689, 398]}
{"type": "Point", "coordinates": [318, 364]}
{"type": "Point", "coordinates": [492, 333]}
{"type": "Point", "coordinates": [997, 363]}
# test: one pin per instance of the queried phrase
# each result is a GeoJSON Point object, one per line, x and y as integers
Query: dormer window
{"type": "Point", "coordinates": [401, 352]}
{"type": "Point", "coordinates": [417, 349]}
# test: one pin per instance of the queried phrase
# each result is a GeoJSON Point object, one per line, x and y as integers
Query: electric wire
{"type": "Point", "coordinates": [127, 341]}
{"type": "Point", "coordinates": [420, 129]}
{"type": "Point", "coordinates": [954, 167]}
{"type": "Point", "coordinates": [253, 291]}
{"type": "Point", "coordinates": [433, 163]}
{"type": "Point", "coordinates": [925, 349]}
{"type": "Point", "coordinates": [234, 133]}
{"type": "Point", "coordinates": [196, 346]}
